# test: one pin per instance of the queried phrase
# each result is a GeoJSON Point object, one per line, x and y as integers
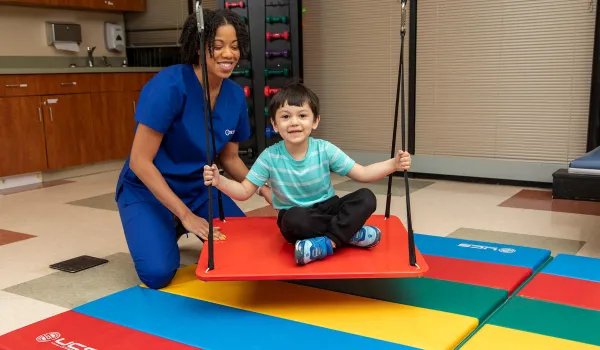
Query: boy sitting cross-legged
{"type": "Point", "coordinates": [310, 214]}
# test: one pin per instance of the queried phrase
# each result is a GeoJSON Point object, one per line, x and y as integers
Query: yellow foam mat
{"type": "Point", "coordinates": [492, 337]}
{"type": "Point", "coordinates": [182, 275]}
{"type": "Point", "coordinates": [397, 323]}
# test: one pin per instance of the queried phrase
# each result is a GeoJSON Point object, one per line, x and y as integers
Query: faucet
{"type": "Point", "coordinates": [90, 58]}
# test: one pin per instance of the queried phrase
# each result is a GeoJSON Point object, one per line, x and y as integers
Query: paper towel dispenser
{"type": "Point", "coordinates": [63, 33]}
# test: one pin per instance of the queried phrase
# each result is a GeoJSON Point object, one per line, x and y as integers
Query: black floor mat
{"type": "Point", "coordinates": [79, 263]}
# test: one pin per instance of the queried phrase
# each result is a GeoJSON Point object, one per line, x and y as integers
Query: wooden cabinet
{"type": "Point", "coordinates": [71, 119]}
{"type": "Point", "coordinates": [113, 123]}
{"type": "Point", "coordinates": [66, 3]}
{"type": "Point", "coordinates": [72, 3]}
{"type": "Point", "coordinates": [26, 2]}
{"type": "Point", "coordinates": [120, 5]}
{"type": "Point", "coordinates": [69, 130]}
{"type": "Point", "coordinates": [102, 5]}
{"type": "Point", "coordinates": [22, 138]}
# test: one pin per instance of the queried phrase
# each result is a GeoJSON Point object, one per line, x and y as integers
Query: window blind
{"type": "Point", "coordinates": [504, 79]}
{"type": "Point", "coordinates": [495, 80]}
{"type": "Point", "coordinates": [351, 58]}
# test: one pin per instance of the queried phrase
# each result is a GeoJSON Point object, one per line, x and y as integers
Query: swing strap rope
{"type": "Point", "coordinates": [207, 117]}
{"type": "Point", "coordinates": [400, 104]}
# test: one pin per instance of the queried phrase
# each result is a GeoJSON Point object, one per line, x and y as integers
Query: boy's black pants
{"type": "Point", "coordinates": [337, 218]}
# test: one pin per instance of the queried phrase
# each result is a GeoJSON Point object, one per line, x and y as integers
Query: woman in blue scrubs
{"type": "Point", "coordinates": [160, 191]}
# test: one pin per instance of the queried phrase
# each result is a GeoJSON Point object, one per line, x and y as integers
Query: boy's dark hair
{"type": "Point", "coordinates": [295, 93]}
{"type": "Point", "coordinates": [213, 19]}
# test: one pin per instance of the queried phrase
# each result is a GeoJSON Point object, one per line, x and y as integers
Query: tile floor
{"type": "Point", "coordinates": [45, 224]}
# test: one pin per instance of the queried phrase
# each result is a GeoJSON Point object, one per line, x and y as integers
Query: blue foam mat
{"type": "Point", "coordinates": [212, 326]}
{"type": "Point", "coordinates": [481, 251]}
{"type": "Point", "coordinates": [590, 160]}
{"type": "Point", "coordinates": [573, 266]}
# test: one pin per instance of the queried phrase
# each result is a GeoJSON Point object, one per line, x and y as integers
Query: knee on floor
{"type": "Point", "coordinates": [157, 277]}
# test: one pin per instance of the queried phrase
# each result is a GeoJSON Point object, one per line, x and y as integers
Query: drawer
{"type": "Point", "coordinates": [107, 82]}
{"type": "Point", "coordinates": [56, 84]}
{"type": "Point", "coordinates": [19, 85]}
{"type": "Point", "coordinates": [70, 83]}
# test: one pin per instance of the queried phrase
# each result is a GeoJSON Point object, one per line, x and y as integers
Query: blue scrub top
{"type": "Point", "coordinates": [172, 103]}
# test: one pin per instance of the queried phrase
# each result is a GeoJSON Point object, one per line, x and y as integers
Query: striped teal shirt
{"type": "Point", "coordinates": [300, 183]}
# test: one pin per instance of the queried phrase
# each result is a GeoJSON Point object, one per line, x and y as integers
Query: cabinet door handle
{"type": "Point", "coordinates": [51, 117]}
{"type": "Point", "coordinates": [110, 3]}
{"type": "Point", "coordinates": [133, 106]}
{"type": "Point", "coordinates": [69, 83]}
{"type": "Point", "coordinates": [40, 113]}
{"type": "Point", "coordinates": [15, 85]}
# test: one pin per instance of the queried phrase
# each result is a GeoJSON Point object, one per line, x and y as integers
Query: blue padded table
{"type": "Point", "coordinates": [581, 181]}
{"type": "Point", "coordinates": [588, 163]}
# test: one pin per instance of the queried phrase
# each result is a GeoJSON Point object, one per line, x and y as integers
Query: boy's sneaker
{"type": "Point", "coordinates": [366, 237]}
{"type": "Point", "coordinates": [312, 249]}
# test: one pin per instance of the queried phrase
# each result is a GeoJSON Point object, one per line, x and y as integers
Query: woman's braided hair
{"type": "Point", "coordinates": [213, 19]}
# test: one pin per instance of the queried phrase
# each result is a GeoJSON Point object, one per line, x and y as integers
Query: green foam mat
{"type": "Point", "coordinates": [551, 319]}
{"type": "Point", "coordinates": [458, 298]}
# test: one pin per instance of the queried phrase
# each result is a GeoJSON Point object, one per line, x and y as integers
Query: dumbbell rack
{"type": "Point", "coordinates": [273, 60]}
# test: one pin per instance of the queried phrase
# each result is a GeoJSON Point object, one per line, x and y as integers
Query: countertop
{"type": "Point", "coordinates": [79, 70]}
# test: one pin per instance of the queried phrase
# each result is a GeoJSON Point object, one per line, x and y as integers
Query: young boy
{"type": "Point", "coordinates": [310, 215]}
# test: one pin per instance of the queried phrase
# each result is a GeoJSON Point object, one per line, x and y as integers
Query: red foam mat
{"type": "Point", "coordinates": [563, 290]}
{"type": "Point", "coordinates": [72, 330]}
{"type": "Point", "coordinates": [506, 277]}
{"type": "Point", "coordinates": [255, 250]}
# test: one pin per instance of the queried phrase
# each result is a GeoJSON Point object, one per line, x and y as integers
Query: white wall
{"type": "Point", "coordinates": [24, 30]}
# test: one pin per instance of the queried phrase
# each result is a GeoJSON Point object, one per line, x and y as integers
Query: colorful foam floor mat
{"type": "Point", "coordinates": [558, 309]}
{"type": "Point", "coordinates": [476, 295]}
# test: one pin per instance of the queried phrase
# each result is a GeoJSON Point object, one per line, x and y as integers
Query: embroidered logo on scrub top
{"type": "Point", "coordinates": [229, 132]}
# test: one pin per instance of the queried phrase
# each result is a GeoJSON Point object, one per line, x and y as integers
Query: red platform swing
{"type": "Point", "coordinates": [256, 250]}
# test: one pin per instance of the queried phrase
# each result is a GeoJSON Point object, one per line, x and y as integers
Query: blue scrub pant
{"type": "Point", "coordinates": [150, 233]}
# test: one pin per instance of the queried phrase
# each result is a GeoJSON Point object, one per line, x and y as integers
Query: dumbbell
{"type": "Point", "coordinates": [270, 132]}
{"type": "Point", "coordinates": [247, 91]}
{"type": "Point", "coordinates": [234, 4]}
{"type": "Point", "coordinates": [269, 54]}
{"type": "Point", "coordinates": [269, 91]}
{"type": "Point", "coordinates": [247, 152]}
{"type": "Point", "coordinates": [285, 72]}
{"type": "Point", "coordinates": [285, 35]}
{"type": "Point", "coordinates": [273, 19]}
{"type": "Point", "coordinates": [245, 72]}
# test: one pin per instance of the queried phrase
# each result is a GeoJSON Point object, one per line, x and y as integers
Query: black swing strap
{"type": "Point", "coordinates": [401, 104]}
{"type": "Point", "coordinates": [207, 117]}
